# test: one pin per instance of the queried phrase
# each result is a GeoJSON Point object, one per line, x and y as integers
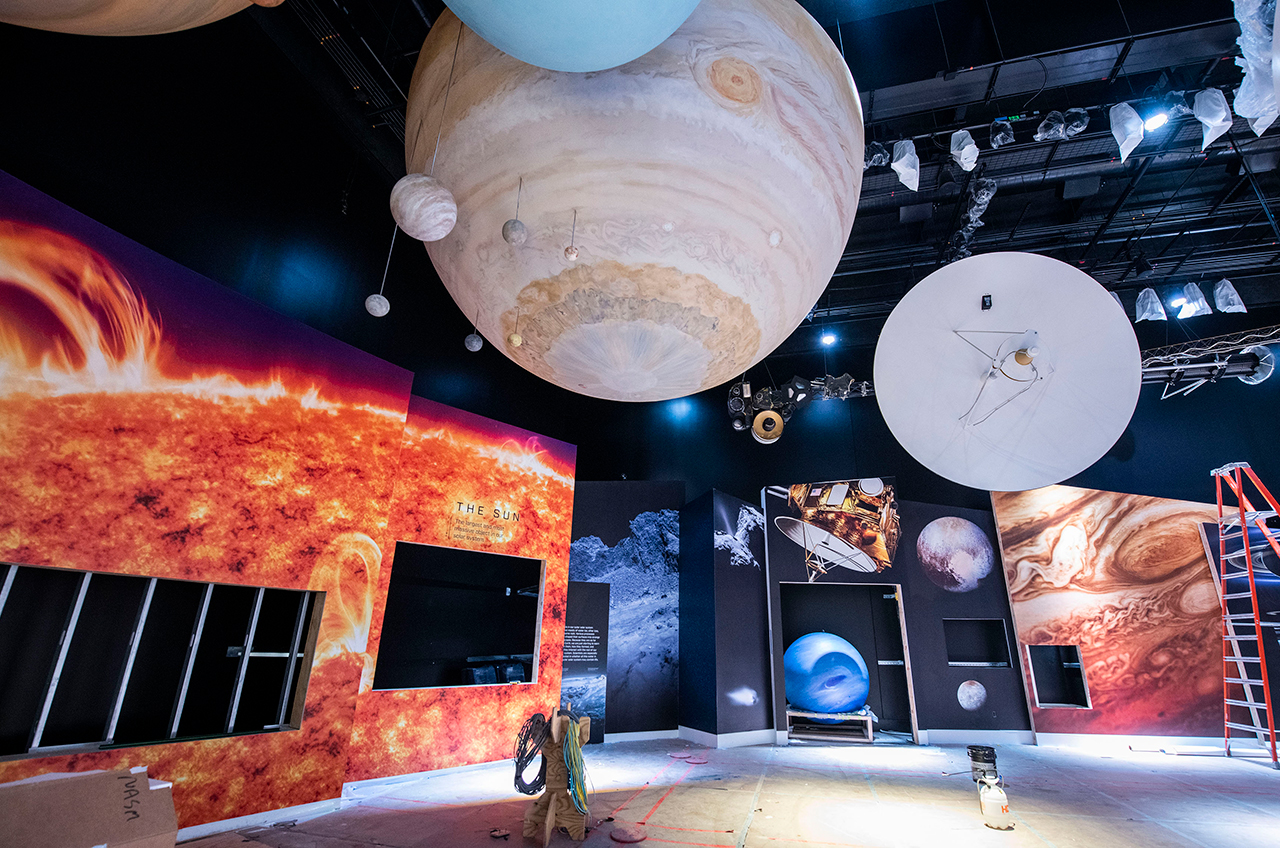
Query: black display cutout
{"type": "Point", "coordinates": [976, 642]}
{"type": "Point", "coordinates": [458, 617]}
{"type": "Point", "coordinates": [1057, 677]}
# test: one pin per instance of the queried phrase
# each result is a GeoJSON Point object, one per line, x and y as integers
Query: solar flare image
{"type": "Point", "coordinates": [145, 432]}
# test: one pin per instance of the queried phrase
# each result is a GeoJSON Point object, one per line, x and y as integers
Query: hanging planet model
{"type": "Point", "coordinates": [1020, 395]}
{"type": "Point", "coordinates": [121, 17]}
{"type": "Point", "coordinates": [715, 181]}
{"type": "Point", "coordinates": [574, 35]}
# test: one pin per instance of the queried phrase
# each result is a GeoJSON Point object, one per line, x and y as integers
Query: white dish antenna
{"type": "Point", "coordinates": [1007, 371]}
{"type": "Point", "coordinates": [824, 546]}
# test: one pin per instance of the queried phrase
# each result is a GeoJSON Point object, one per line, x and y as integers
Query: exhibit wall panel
{"type": "Point", "coordinates": [626, 533]}
{"type": "Point", "coordinates": [469, 482]}
{"type": "Point", "coordinates": [954, 606]}
{"type": "Point", "coordinates": [156, 423]}
{"type": "Point", "coordinates": [741, 616]}
{"type": "Point", "coordinates": [1124, 580]}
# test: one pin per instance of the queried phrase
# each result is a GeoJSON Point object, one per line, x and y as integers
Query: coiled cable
{"type": "Point", "coordinates": [528, 745]}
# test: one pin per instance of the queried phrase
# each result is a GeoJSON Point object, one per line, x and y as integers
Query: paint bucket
{"type": "Point", "coordinates": [982, 762]}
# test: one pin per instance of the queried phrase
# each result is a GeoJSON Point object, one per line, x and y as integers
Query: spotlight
{"type": "Point", "coordinates": [828, 338]}
{"type": "Point", "coordinates": [767, 428]}
{"type": "Point", "coordinates": [1155, 122]}
{"type": "Point", "coordinates": [1191, 302]}
{"type": "Point", "coordinates": [1143, 267]}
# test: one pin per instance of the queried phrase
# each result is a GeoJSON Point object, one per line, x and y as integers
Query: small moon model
{"type": "Point", "coordinates": [971, 695]}
{"type": "Point", "coordinates": [825, 674]}
{"type": "Point", "coordinates": [954, 553]}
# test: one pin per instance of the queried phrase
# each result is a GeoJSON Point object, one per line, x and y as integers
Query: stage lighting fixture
{"type": "Point", "coordinates": [1149, 307]}
{"type": "Point", "coordinates": [1191, 302]}
{"type": "Point", "coordinates": [1226, 298]}
{"type": "Point", "coordinates": [828, 338]}
{"type": "Point", "coordinates": [1143, 267]}
{"type": "Point", "coordinates": [1155, 121]}
{"type": "Point", "coordinates": [767, 428]}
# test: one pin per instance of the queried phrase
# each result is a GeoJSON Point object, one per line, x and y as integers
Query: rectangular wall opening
{"type": "Point", "coordinates": [1057, 676]}
{"type": "Point", "coordinates": [976, 642]}
{"type": "Point", "coordinates": [92, 660]}
{"type": "Point", "coordinates": [458, 617]}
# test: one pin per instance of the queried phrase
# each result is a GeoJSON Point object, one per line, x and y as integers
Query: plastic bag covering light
{"type": "Point", "coordinates": [1052, 128]}
{"type": "Point", "coordinates": [1001, 134]}
{"type": "Point", "coordinates": [964, 150]}
{"type": "Point", "coordinates": [875, 156]}
{"type": "Point", "coordinates": [1192, 302]}
{"type": "Point", "coordinates": [1149, 307]}
{"type": "Point", "coordinates": [907, 163]}
{"type": "Point", "coordinates": [957, 397]}
{"type": "Point", "coordinates": [1077, 120]}
{"type": "Point", "coordinates": [715, 181]}
{"type": "Point", "coordinates": [1126, 126]}
{"type": "Point", "coordinates": [574, 35]}
{"type": "Point", "coordinates": [121, 17]}
{"type": "Point", "coordinates": [1226, 298]}
{"type": "Point", "coordinates": [1212, 111]}
{"type": "Point", "coordinates": [1256, 97]}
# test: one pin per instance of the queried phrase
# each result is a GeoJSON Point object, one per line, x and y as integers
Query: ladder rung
{"type": "Point", "coordinates": [1249, 727]}
{"type": "Point", "coordinates": [1235, 554]}
{"type": "Point", "coordinates": [1242, 659]}
{"type": "Point", "coordinates": [1252, 705]}
{"type": "Point", "coordinates": [1233, 520]}
{"type": "Point", "coordinates": [1240, 638]}
{"type": "Point", "coordinates": [1245, 681]}
{"type": "Point", "coordinates": [1238, 616]}
{"type": "Point", "coordinates": [1232, 596]}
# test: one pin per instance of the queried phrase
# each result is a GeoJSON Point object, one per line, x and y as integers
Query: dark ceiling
{"type": "Point", "coordinates": [260, 151]}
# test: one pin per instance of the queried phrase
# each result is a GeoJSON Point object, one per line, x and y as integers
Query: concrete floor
{"type": "Point", "coordinates": [815, 795]}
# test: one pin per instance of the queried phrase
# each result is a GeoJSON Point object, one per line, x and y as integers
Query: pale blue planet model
{"type": "Point", "coordinates": [574, 35]}
{"type": "Point", "coordinates": [825, 674]}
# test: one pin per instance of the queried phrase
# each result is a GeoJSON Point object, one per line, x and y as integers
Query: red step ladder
{"type": "Point", "coordinates": [1246, 689]}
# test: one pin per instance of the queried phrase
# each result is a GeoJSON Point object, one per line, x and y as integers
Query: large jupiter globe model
{"type": "Point", "coordinates": [121, 17]}
{"type": "Point", "coordinates": [706, 189]}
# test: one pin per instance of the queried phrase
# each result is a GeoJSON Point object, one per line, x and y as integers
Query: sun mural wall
{"type": "Point", "coordinates": [1125, 578]}
{"type": "Point", "coordinates": [153, 422]}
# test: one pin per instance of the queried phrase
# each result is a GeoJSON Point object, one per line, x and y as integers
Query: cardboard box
{"type": "Point", "coordinates": [88, 809]}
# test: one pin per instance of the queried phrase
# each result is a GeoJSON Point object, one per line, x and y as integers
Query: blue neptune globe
{"type": "Point", "coordinates": [825, 674]}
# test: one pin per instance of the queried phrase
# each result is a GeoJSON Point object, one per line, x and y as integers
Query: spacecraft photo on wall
{"type": "Point", "coordinates": [848, 524]}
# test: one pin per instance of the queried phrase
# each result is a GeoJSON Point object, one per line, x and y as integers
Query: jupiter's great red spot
{"type": "Point", "coordinates": [735, 80]}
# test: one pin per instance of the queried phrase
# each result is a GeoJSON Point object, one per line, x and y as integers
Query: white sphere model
{"type": "Point", "coordinates": [571, 253]}
{"type": "Point", "coordinates": [514, 233]}
{"type": "Point", "coordinates": [377, 305]}
{"type": "Point", "coordinates": [745, 122]}
{"type": "Point", "coordinates": [473, 341]}
{"type": "Point", "coordinates": [423, 207]}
